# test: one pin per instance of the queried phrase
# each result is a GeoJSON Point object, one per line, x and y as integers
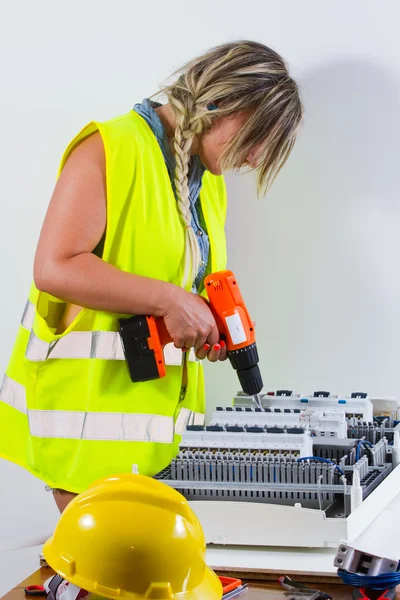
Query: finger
{"type": "Point", "coordinates": [213, 354]}
{"type": "Point", "coordinates": [200, 343]}
{"type": "Point", "coordinates": [202, 352]}
{"type": "Point", "coordinates": [189, 342]}
{"type": "Point", "coordinates": [213, 337]}
{"type": "Point", "coordinates": [223, 355]}
{"type": "Point", "coordinates": [180, 344]}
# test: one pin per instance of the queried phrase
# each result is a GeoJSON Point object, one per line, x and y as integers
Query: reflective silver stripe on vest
{"type": "Point", "coordinates": [13, 393]}
{"type": "Point", "coordinates": [101, 426]}
{"type": "Point", "coordinates": [182, 420]}
{"type": "Point", "coordinates": [96, 425]}
{"type": "Point", "coordinates": [105, 345]}
{"type": "Point", "coordinates": [28, 316]}
{"type": "Point", "coordinates": [77, 344]}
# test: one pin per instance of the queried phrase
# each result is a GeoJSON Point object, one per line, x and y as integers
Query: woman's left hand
{"type": "Point", "coordinates": [217, 352]}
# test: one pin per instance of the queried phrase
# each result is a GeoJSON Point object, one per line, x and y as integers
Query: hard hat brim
{"type": "Point", "coordinates": [210, 587]}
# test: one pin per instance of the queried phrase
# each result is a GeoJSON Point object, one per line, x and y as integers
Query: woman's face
{"type": "Point", "coordinates": [212, 143]}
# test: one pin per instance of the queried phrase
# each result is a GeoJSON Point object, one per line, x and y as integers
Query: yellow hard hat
{"type": "Point", "coordinates": [130, 536]}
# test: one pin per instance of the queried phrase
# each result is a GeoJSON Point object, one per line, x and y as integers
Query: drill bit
{"type": "Point", "coordinates": [257, 401]}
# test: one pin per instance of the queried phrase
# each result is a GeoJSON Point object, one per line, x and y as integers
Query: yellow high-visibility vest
{"type": "Point", "coordinates": [69, 412]}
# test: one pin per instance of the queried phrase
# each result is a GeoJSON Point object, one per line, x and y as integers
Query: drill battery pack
{"type": "Point", "coordinates": [142, 348]}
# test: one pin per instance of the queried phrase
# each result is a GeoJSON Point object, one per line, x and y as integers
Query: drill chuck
{"type": "Point", "coordinates": [245, 362]}
{"type": "Point", "coordinates": [250, 380]}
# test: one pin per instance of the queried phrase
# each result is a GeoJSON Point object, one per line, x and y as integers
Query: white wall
{"type": "Point", "coordinates": [316, 260]}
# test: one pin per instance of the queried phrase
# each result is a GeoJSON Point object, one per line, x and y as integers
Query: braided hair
{"type": "Point", "coordinates": [232, 77]}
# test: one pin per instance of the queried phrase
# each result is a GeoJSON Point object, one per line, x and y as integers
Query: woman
{"type": "Point", "coordinates": [135, 223]}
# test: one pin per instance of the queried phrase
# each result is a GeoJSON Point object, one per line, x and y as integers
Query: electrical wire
{"type": "Point", "coordinates": [381, 418]}
{"type": "Point", "coordinates": [358, 451]}
{"type": "Point", "coordinates": [379, 582]}
{"type": "Point", "coordinates": [367, 445]}
{"type": "Point", "coordinates": [325, 460]}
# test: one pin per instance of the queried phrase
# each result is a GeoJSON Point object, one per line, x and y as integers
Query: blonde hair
{"type": "Point", "coordinates": [230, 78]}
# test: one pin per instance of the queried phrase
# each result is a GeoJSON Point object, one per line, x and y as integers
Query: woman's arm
{"type": "Point", "coordinates": [66, 267]}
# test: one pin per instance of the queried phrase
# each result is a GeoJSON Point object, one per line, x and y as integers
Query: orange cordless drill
{"type": "Point", "coordinates": [144, 338]}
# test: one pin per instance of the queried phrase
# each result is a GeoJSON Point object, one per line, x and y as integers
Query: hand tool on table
{"type": "Point", "coordinates": [301, 589]}
{"type": "Point", "coordinates": [35, 590]}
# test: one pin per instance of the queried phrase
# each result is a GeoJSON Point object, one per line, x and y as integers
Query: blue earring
{"type": "Point", "coordinates": [212, 106]}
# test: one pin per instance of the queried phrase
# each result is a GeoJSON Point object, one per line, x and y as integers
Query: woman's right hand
{"type": "Point", "coordinates": [189, 320]}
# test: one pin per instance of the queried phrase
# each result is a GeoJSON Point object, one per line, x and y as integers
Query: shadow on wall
{"type": "Point", "coordinates": [321, 249]}
{"type": "Point", "coordinates": [347, 149]}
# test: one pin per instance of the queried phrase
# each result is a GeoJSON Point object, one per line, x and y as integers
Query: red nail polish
{"type": "Point", "coordinates": [207, 346]}
{"type": "Point", "coordinates": [217, 347]}
{"type": "Point", "coordinates": [222, 344]}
